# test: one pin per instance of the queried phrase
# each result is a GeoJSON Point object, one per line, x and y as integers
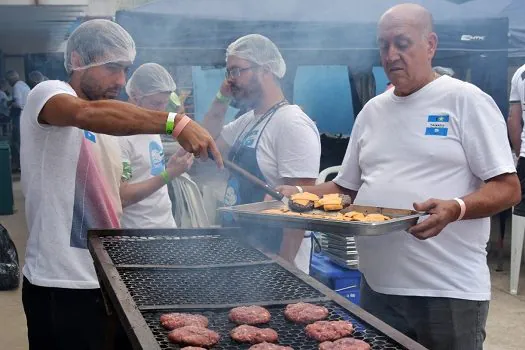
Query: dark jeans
{"type": "Point", "coordinates": [520, 169]}
{"type": "Point", "coordinates": [436, 323]}
{"type": "Point", "coordinates": [60, 319]}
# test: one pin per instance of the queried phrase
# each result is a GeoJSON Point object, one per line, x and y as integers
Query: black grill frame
{"type": "Point", "coordinates": [132, 311]}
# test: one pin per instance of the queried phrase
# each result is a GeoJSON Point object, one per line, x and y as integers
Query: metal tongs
{"type": "Point", "coordinates": [254, 179]}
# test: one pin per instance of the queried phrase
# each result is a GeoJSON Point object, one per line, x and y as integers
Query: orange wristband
{"type": "Point", "coordinates": [181, 125]}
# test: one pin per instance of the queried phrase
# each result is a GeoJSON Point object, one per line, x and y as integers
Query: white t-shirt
{"type": "Point", "coordinates": [517, 95]}
{"type": "Point", "coordinates": [143, 159]}
{"type": "Point", "coordinates": [70, 180]}
{"type": "Point", "coordinates": [20, 92]}
{"type": "Point", "coordinates": [441, 142]}
{"type": "Point", "coordinates": [289, 146]}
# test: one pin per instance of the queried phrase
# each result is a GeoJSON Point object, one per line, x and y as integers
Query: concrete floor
{"type": "Point", "coordinates": [505, 326]}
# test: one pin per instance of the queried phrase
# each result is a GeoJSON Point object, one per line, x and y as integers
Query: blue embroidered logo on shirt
{"type": "Point", "coordinates": [90, 136]}
{"type": "Point", "coordinates": [437, 125]}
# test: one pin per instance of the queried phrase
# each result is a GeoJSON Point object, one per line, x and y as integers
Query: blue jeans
{"type": "Point", "coordinates": [436, 323]}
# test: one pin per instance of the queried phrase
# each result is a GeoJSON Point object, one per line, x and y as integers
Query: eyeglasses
{"type": "Point", "coordinates": [236, 72]}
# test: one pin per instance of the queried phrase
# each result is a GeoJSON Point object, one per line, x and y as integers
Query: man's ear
{"type": "Point", "coordinates": [76, 60]}
{"type": "Point", "coordinates": [432, 44]}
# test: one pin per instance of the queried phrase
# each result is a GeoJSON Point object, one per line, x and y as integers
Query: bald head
{"type": "Point", "coordinates": [409, 14]}
{"type": "Point", "coordinates": [407, 44]}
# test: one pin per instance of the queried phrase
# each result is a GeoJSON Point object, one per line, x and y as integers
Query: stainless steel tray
{"type": "Point", "coordinates": [342, 253]}
{"type": "Point", "coordinates": [252, 214]}
{"type": "Point", "coordinates": [351, 263]}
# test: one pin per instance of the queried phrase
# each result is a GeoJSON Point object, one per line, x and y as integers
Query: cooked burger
{"type": "Point", "coordinates": [302, 202]}
{"type": "Point", "coordinates": [333, 202]}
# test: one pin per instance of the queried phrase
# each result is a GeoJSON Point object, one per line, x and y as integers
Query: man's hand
{"type": "Point", "coordinates": [442, 213]}
{"type": "Point", "coordinates": [226, 89]}
{"type": "Point", "coordinates": [195, 139]}
{"type": "Point", "coordinates": [179, 163]}
{"type": "Point", "coordinates": [287, 191]}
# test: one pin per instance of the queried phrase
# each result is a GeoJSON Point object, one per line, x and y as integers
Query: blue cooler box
{"type": "Point", "coordinates": [345, 282]}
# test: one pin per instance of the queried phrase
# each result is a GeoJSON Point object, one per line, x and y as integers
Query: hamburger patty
{"type": "Point", "coordinates": [251, 315]}
{"type": "Point", "coordinates": [176, 320]}
{"type": "Point", "coordinates": [345, 344]}
{"type": "Point", "coordinates": [305, 313]}
{"type": "Point", "coordinates": [193, 348]}
{"type": "Point", "coordinates": [195, 336]}
{"type": "Point", "coordinates": [329, 330]}
{"type": "Point", "coordinates": [269, 346]}
{"type": "Point", "coordinates": [253, 335]}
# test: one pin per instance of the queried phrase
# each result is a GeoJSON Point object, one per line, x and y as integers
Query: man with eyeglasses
{"type": "Point", "coordinates": [274, 140]}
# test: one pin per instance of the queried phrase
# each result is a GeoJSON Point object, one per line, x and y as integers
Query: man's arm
{"type": "Point", "coordinates": [515, 127]}
{"type": "Point", "coordinates": [216, 115]}
{"type": "Point", "coordinates": [134, 193]}
{"type": "Point", "coordinates": [321, 189]}
{"type": "Point", "coordinates": [121, 118]}
{"type": "Point", "coordinates": [498, 194]}
{"type": "Point", "coordinates": [292, 239]}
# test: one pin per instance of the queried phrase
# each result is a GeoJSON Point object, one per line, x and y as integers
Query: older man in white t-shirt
{"type": "Point", "coordinates": [430, 137]}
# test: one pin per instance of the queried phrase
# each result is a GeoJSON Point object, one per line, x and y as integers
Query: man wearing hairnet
{"type": "Point", "coordinates": [274, 140]}
{"type": "Point", "coordinates": [71, 173]}
{"type": "Point", "coordinates": [35, 78]}
{"type": "Point", "coordinates": [143, 192]}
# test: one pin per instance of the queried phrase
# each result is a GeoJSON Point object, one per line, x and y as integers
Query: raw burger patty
{"type": "Point", "coordinates": [249, 315]}
{"type": "Point", "coordinates": [305, 313]}
{"type": "Point", "coordinates": [253, 335]}
{"type": "Point", "coordinates": [195, 336]}
{"type": "Point", "coordinates": [345, 344]}
{"type": "Point", "coordinates": [177, 320]}
{"type": "Point", "coordinates": [329, 330]}
{"type": "Point", "coordinates": [269, 346]}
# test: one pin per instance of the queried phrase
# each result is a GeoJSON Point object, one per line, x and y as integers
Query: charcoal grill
{"type": "Point", "coordinates": [145, 273]}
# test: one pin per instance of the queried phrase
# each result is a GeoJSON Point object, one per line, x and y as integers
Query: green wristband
{"type": "Point", "coordinates": [221, 98]}
{"type": "Point", "coordinates": [165, 176]}
{"type": "Point", "coordinates": [170, 123]}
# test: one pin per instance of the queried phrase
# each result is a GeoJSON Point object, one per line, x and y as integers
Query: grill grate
{"type": "Point", "coordinates": [171, 250]}
{"type": "Point", "coordinates": [224, 285]}
{"type": "Point", "coordinates": [289, 333]}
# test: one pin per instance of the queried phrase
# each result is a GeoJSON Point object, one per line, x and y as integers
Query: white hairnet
{"type": "Point", "coordinates": [149, 79]}
{"type": "Point", "coordinates": [97, 42]}
{"type": "Point", "coordinates": [259, 50]}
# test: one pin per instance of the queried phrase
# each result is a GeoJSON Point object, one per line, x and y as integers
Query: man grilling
{"type": "Point", "coordinates": [274, 140]}
{"type": "Point", "coordinates": [71, 171]}
{"type": "Point", "coordinates": [439, 145]}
